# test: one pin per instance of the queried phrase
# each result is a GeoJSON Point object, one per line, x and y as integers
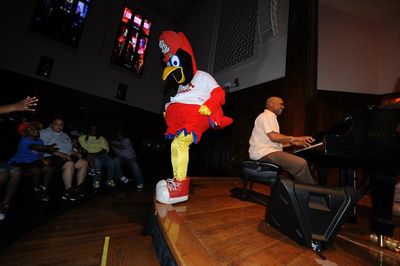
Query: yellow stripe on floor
{"type": "Point", "coordinates": [105, 251]}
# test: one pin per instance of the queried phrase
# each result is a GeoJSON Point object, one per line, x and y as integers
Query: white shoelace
{"type": "Point", "coordinates": [172, 185]}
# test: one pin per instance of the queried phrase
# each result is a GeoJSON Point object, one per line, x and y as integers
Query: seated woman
{"type": "Point", "coordinates": [28, 157]}
{"type": "Point", "coordinates": [97, 148]}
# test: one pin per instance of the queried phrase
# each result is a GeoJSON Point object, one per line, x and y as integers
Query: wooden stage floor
{"type": "Point", "coordinates": [216, 227]}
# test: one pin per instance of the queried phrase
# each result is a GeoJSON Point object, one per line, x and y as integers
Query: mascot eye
{"type": "Point", "coordinates": [174, 61]}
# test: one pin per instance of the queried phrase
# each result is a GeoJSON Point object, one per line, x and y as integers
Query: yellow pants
{"type": "Point", "coordinates": [180, 155]}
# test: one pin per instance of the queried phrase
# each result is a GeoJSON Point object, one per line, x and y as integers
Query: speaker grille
{"type": "Point", "coordinates": [236, 33]}
{"type": "Point", "coordinates": [268, 22]}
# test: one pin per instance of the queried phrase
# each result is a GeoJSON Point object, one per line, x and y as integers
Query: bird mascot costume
{"type": "Point", "coordinates": [196, 107]}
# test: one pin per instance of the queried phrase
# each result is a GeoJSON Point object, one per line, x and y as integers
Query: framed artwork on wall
{"type": "Point", "coordinates": [62, 20]}
{"type": "Point", "coordinates": [131, 42]}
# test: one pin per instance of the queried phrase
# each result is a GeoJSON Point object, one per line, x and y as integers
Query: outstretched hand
{"type": "Point", "coordinates": [26, 104]}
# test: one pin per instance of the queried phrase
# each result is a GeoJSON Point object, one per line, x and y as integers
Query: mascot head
{"type": "Point", "coordinates": [179, 57]}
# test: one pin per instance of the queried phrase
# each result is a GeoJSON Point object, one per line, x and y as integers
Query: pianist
{"type": "Point", "coordinates": [266, 143]}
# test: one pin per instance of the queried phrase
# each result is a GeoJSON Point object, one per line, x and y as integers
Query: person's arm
{"type": "Point", "coordinates": [280, 138]}
{"type": "Point", "coordinates": [104, 144]}
{"type": "Point", "coordinates": [62, 155]}
{"type": "Point", "coordinates": [43, 148]}
{"type": "Point", "coordinates": [26, 104]}
{"type": "Point", "coordinates": [286, 141]}
{"type": "Point", "coordinates": [128, 143]}
{"type": "Point", "coordinates": [77, 150]}
{"type": "Point", "coordinates": [82, 142]}
{"type": "Point", "coordinates": [217, 95]}
{"type": "Point", "coordinates": [45, 136]}
{"type": "Point", "coordinates": [216, 100]}
{"type": "Point", "coordinates": [118, 146]}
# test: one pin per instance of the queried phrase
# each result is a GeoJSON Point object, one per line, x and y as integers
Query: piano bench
{"type": "Point", "coordinates": [261, 172]}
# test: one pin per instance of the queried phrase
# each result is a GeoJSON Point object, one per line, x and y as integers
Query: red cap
{"type": "Point", "coordinates": [21, 128]}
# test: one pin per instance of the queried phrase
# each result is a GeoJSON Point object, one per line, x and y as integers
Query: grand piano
{"type": "Point", "coordinates": [368, 138]}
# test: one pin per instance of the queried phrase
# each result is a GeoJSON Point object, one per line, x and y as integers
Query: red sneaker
{"type": "Point", "coordinates": [173, 192]}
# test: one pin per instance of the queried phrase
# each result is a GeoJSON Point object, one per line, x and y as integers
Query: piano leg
{"type": "Point", "coordinates": [382, 193]}
{"type": "Point", "coordinates": [348, 177]}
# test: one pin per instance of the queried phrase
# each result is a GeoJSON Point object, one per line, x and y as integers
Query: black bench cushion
{"type": "Point", "coordinates": [260, 171]}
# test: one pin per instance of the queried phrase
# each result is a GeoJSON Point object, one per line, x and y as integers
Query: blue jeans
{"type": "Point", "coordinates": [132, 165]}
{"type": "Point", "coordinates": [100, 161]}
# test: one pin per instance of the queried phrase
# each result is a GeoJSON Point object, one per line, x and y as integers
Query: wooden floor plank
{"type": "Point", "coordinates": [132, 251]}
{"type": "Point", "coordinates": [76, 237]}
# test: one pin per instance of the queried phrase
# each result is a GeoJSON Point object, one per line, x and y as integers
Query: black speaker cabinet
{"type": "Point", "coordinates": [311, 215]}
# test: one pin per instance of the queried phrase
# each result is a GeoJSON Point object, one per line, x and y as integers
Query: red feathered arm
{"type": "Point", "coordinates": [214, 103]}
{"type": "Point", "coordinates": [216, 100]}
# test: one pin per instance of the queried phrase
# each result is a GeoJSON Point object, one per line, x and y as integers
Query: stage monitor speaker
{"type": "Point", "coordinates": [311, 215]}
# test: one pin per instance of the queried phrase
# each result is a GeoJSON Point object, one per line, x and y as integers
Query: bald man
{"type": "Point", "coordinates": [266, 143]}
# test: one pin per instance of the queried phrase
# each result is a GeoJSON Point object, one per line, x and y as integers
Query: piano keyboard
{"type": "Point", "coordinates": [310, 147]}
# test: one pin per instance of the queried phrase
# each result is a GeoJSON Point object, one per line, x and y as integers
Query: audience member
{"type": "Point", "coordinates": [97, 148]}
{"type": "Point", "coordinates": [65, 159]}
{"type": "Point", "coordinates": [126, 155]}
{"type": "Point", "coordinates": [11, 176]}
{"type": "Point", "coordinates": [29, 158]}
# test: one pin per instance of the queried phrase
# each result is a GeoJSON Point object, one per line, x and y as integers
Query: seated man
{"type": "Point", "coordinates": [266, 143]}
{"type": "Point", "coordinates": [10, 177]}
{"type": "Point", "coordinates": [126, 155]}
{"type": "Point", "coordinates": [65, 159]}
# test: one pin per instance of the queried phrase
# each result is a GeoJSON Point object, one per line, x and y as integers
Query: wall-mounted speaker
{"type": "Point", "coordinates": [268, 20]}
{"type": "Point", "coordinates": [236, 33]}
{"type": "Point", "coordinates": [311, 215]}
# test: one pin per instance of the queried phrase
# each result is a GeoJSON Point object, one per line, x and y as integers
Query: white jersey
{"type": "Point", "coordinates": [260, 143]}
{"type": "Point", "coordinates": [197, 91]}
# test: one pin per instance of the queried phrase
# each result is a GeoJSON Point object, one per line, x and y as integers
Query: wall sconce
{"type": "Point", "coordinates": [231, 84]}
{"type": "Point", "coordinates": [45, 66]}
{"type": "Point", "coordinates": [121, 92]}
